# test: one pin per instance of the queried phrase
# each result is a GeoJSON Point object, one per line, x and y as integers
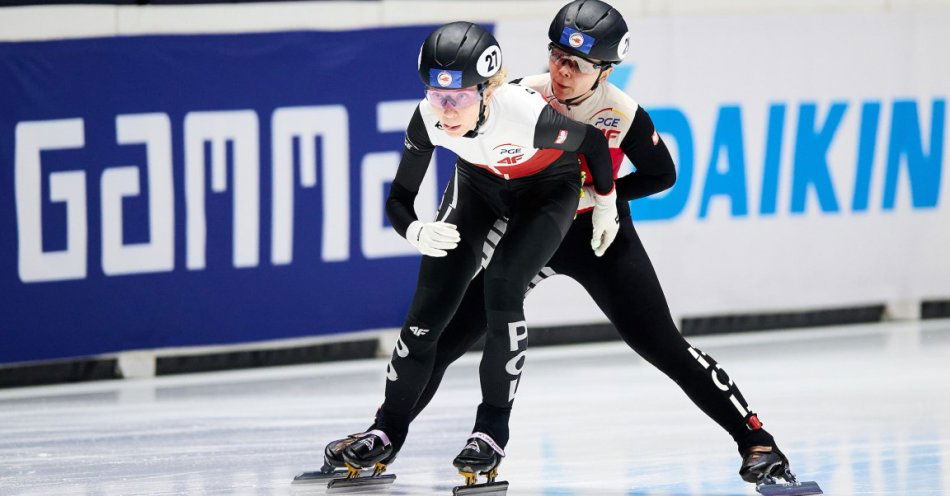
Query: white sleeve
{"type": "Point", "coordinates": [520, 105]}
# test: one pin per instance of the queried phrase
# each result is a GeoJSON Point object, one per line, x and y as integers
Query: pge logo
{"type": "Point", "coordinates": [509, 154]}
{"type": "Point", "coordinates": [607, 121]}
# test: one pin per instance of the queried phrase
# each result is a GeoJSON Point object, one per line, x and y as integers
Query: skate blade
{"type": "Point", "coordinates": [789, 489]}
{"type": "Point", "coordinates": [341, 485]}
{"type": "Point", "coordinates": [498, 487]}
{"type": "Point", "coordinates": [318, 476]}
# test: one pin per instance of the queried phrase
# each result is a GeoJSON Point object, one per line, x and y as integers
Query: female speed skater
{"type": "Point", "coordinates": [587, 38]}
{"type": "Point", "coordinates": [518, 161]}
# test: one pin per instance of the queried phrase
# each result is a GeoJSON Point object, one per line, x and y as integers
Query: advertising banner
{"type": "Point", "coordinates": [811, 153]}
{"type": "Point", "coordinates": [177, 190]}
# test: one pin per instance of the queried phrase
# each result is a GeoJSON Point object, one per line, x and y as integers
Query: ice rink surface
{"type": "Point", "coordinates": [860, 409]}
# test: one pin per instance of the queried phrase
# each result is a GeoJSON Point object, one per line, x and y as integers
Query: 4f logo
{"type": "Point", "coordinates": [418, 331]}
{"type": "Point", "coordinates": [510, 153]}
{"type": "Point", "coordinates": [610, 133]}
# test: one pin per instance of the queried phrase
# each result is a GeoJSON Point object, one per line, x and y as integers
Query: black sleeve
{"type": "Point", "coordinates": [412, 168]}
{"type": "Point", "coordinates": [554, 130]}
{"type": "Point", "coordinates": [654, 165]}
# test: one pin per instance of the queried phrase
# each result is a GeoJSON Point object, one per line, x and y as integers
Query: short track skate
{"type": "Point", "coordinates": [354, 479]}
{"type": "Point", "coordinates": [765, 465]}
{"type": "Point", "coordinates": [334, 466]}
{"type": "Point", "coordinates": [371, 449]}
{"type": "Point", "coordinates": [326, 472]}
{"type": "Point", "coordinates": [491, 486]}
{"type": "Point", "coordinates": [481, 455]}
{"type": "Point", "coordinates": [769, 486]}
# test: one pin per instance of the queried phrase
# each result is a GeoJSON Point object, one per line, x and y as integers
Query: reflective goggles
{"type": "Point", "coordinates": [577, 64]}
{"type": "Point", "coordinates": [457, 99]}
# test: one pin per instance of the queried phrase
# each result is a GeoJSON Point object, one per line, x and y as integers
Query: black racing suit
{"type": "Point", "coordinates": [625, 286]}
{"type": "Point", "coordinates": [538, 210]}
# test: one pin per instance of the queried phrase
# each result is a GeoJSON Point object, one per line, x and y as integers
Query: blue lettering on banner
{"type": "Point", "coordinates": [773, 156]}
{"type": "Point", "coordinates": [908, 150]}
{"type": "Point", "coordinates": [729, 183]}
{"type": "Point", "coordinates": [923, 170]}
{"type": "Point", "coordinates": [811, 157]}
{"type": "Point", "coordinates": [911, 157]}
{"type": "Point", "coordinates": [672, 122]}
{"type": "Point", "coordinates": [867, 144]}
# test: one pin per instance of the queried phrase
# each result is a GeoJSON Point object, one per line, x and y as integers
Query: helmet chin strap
{"type": "Point", "coordinates": [481, 112]}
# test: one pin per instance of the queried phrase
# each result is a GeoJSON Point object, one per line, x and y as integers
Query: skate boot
{"type": "Point", "coordinates": [372, 449]}
{"type": "Point", "coordinates": [764, 465]}
{"type": "Point", "coordinates": [481, 455]}
{"type": "Point", "coordinates": [333, 464]}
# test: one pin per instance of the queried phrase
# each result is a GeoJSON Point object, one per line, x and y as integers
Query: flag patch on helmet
{"type": "Point", "coordinates": [444, 78]}
{"type": "Point", "coordinates": [577, 40]}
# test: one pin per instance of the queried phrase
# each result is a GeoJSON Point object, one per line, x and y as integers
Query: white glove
{"type": "Point", "coordinates": [606, 221]}
{"type": "Point", "coordinates": [433, 238]}
{"type": "Point", "coordinates": [587, 198]}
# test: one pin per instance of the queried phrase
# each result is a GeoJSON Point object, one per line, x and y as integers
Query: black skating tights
{"type": "Point", "coordinates": [625, 286]}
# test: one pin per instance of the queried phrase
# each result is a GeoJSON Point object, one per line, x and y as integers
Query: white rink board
{"type": "Point", "coordinates": [785, 261]}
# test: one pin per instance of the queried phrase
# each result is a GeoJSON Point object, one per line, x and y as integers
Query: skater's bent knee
{"type": "Point", "coordinates": [504, 293]}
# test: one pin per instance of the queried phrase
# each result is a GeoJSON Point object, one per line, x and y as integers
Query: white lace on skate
{"type": "Point", "coordinates": [368, 440]}
{"type": "Point", "coordinates": [488, 440]}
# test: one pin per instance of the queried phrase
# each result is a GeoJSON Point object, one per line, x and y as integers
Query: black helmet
{"type": "Point", "coordinates": [591, 29]}
{"type": "Point", "coordinates": [459, 55]}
